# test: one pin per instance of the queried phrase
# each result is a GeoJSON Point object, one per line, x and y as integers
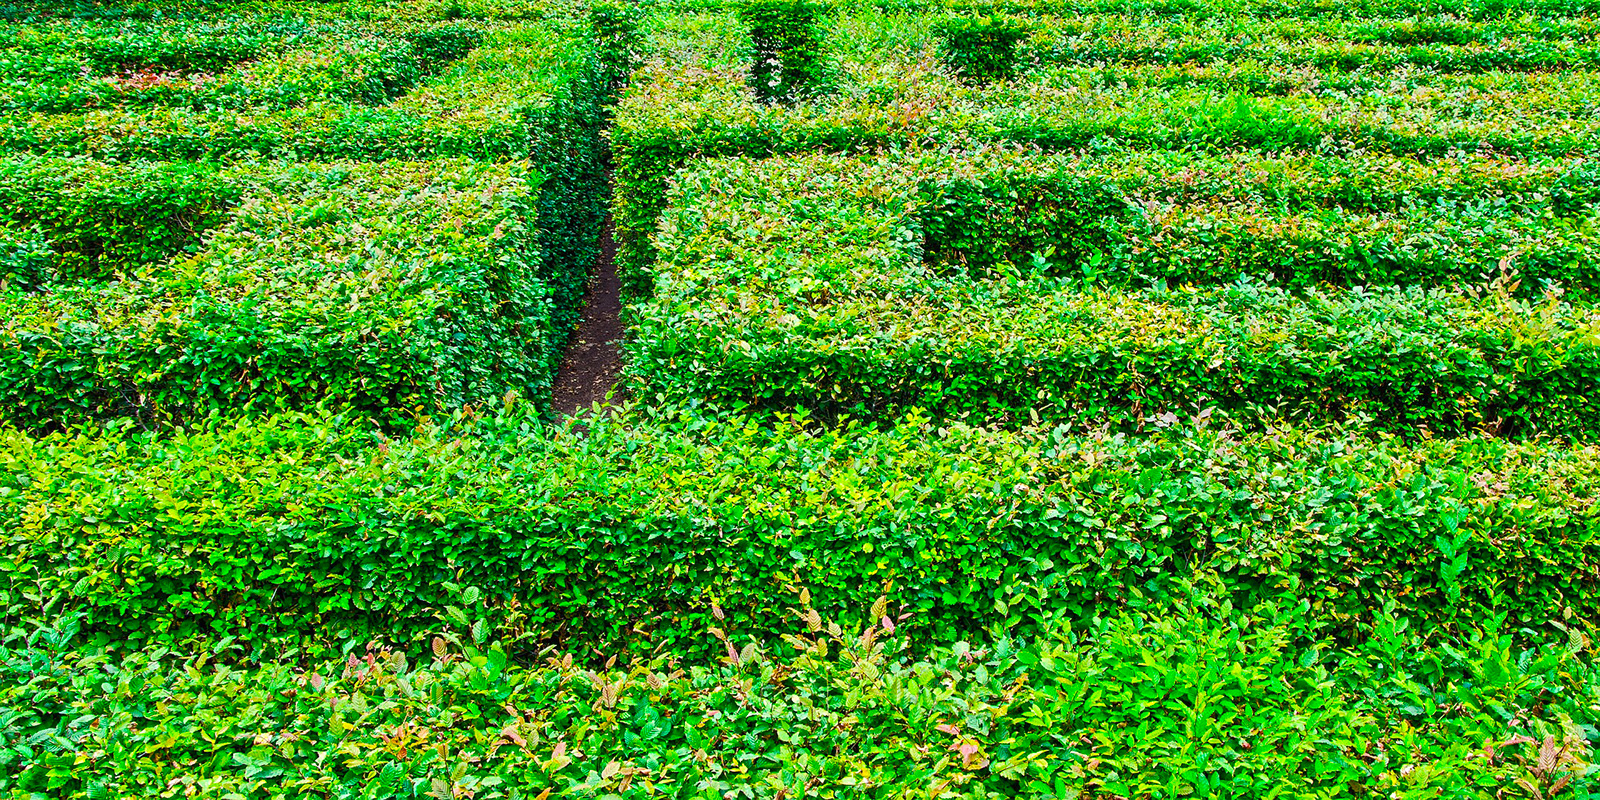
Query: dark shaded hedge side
{"type": "Point", "coordinates": [103, 218]}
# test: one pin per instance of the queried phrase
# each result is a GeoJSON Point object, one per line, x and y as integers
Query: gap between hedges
{"type": "Point", "coordinates": [593, 360]}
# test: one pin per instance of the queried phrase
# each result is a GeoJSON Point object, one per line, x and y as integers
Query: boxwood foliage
{"type": "Point", "coordinates": [1138, 219]}
{"type": "Point", "coordinates": [528, 92]}
{"type": "Point", "coordinates": [394, 288]}
{"type": "Point", "coordinates": [1406, 21]}
{"type": "Point", "coordinates": [495, 102]}
{"type": "Point", "coordinates": [1340, 44]}
{"type": "Point", "coordinates": [1189, 697]}
{"type": "Point", "coordinates": [316, 531]}
{"type": "Point", "coordinates": [104, 218]}
{"type": "Point", "coordinates": [261, 64]}
{"type": "Point", "coordinates": [808, 283]}
{"type": "Point", "coordinates": [531, 91]}
{"type": "Point", "coordinates": [27, 259]}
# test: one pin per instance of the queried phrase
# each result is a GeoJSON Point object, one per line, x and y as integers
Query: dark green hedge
{"type": "Point", "coordinates": [296, 528]}
{"type": "Point", "coordinates": [788, 56]}
{"type": "Point", "coordinates": [981, 49]}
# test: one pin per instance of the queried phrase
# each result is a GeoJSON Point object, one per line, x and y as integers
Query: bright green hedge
{"type": "Point", "coordinates": [392, 288]}
{"type": "Point", "coordinates": [1413, 14]}
{"type": "Point", "coordinates": [807, 283]}
{"type": "Point", "coordinates": [103, 218]}
{"type": "Point", "coordinates": [1382, 44]}
{"type": "Point", "coordinates": [680, 110]}
{"type": "Point", "coordinates": [316, 530]}
{"type": "Point", "coordinates": [1190, 698]}
{"type": "Point", "coordinates": [530, 92]}
{"type": "Point", "coordinates": [497, 102]}
{"type": "Point", "coordinates": [1173, 219]}
{"type": "Point", "coordinates": [307, 65]}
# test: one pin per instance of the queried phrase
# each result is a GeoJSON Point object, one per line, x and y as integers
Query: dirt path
{"type": "Point", "coordinates": [593, 362]}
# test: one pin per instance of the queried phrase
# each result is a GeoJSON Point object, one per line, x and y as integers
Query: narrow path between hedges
{"type": "Point", "coordinates": [593, 362]}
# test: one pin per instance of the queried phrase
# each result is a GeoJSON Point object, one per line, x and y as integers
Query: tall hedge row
{"type": "Point", "coordinates": [294, 528]}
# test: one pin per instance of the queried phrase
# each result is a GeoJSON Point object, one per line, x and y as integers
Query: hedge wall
{"type": "Point", "coordinates": [300, 528]}
{"type": "Point", "coordinates": [807, 283]}
{"type": "Point", "coordinates": [695, 105]}
{"type": "Point", "coordinates": [1190, 697]}
{"type": "Point", "coordinates": [1401, 12]}
{"type": "Point", "coordinates": [105, 218]}
{"type": "Point", "coordinates": [393, 288]}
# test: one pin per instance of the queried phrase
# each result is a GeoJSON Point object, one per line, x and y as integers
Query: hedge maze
{"type": "Point", "coordinates": [1118, 399]}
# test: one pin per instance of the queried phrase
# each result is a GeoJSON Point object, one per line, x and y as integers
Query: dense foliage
{"type": "Point", "coordinates": [1108, 399]}
{"type": "Point", "coordinates": [1192, 698]}
{"type": "Point", "coordinates": [787, 60]}
{"type": "Point", "coordinates": [981, 49]}
{"type": "Point", "coordinates": [390, 288]}
{"type": "Point", "coordinates": [395, 290]}
{"type": "Point", "coordinates": [99, 219]}
{"type": "Point", "coordinates": [864, 286]}
{"type": "Point", "coordinates": [292, 529]}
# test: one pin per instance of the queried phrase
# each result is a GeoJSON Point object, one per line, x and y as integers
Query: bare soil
{"type": "Point", "coordinates": [593, 363]}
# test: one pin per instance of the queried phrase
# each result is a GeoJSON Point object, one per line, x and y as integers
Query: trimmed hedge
{"type": "Point", "coordinates": [1191, 698]}
{"type": "Point", "coordinates": [680, 111]}
{"type": "Point", "coordinates": [788, 60]}
{"type": "Point", "coordinates": [27, 259]}
{"type": "Point", "coordinates": [103, 218]}
{"type": "Point", "coordinates": [496, 103]}
{"type": "Point", "coordinates": [981, 49]}
{"type": "Point", "coordinates": [1168, 219]}
{"type": "Point", "coordinates": [804, 284]}
{"type": "Point", "coordinates": [531, 92]}
{"type": "Point", "coordinates": [314, 529]}
{"type": "Point", "coordinates": [1343, 45]}
{"type": "Point", "coordinates": [391, 288]}
{"type": "Point", "coordinates": [289, 64]}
